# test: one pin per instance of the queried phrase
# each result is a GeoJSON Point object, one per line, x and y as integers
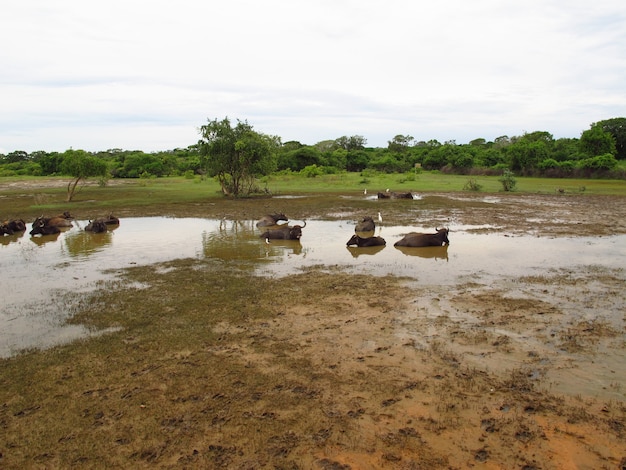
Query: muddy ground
{"type": "Point", "coordinates": [326, 370]}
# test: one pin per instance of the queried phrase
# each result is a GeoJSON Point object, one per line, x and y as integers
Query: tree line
{"type": "Point", "coordinates": [236, 155]}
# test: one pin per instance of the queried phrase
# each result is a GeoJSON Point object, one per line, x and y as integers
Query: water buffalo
{"type": "Point", "coordinates": [51, 225]}
{"type": "Point", "coordinates": [394, 195]}
{"type": "Point", "coordinates": [415, 239]}
{"type": "Point", "coordinates": [365, 225]}
{"type": "Point", "coordinates": [271, 219]}
{"type": "Point", "coordinates": [97, 226]}
{"type": "Point", "coordinates": [369, 241]}
{"type": "Point", "coordinates": [62, 220]}
{"type": "Point", "coordinates": [4, 229]}
{"type": "Point", "coordinates": [284, 233]}
{"type": "Point", "coordinates": [9, 227]}
{"type": "Point", "coordinates": [41, 228]}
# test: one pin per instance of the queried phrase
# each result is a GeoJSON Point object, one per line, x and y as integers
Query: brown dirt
{"type": "Point", "coordinates": [353, 372]}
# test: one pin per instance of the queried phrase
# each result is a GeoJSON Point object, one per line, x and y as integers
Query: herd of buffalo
{"type": "Point", "coordinates": [53, 225]}
{"type": "Point", "coordinates": [269, 224]}
{"type": "Point", "coordinates": [363, 237]}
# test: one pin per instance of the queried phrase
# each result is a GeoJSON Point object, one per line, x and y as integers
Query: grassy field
{"type": "Point", "coordinates": [34, 195]}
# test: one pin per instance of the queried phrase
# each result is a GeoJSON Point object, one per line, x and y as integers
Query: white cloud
{"type": "Point", "coordinates": [145, 74]}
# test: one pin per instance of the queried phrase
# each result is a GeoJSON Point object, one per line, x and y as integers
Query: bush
{"type": "Point", "coordinates": [472, 185]}
{"type": "Point", "coordinates": [311, 171]}
{"type": "Point", "coordinates": [508, 180]}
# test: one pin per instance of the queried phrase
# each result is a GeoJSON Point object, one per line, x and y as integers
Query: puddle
{"type": "Point", "coordinates": [43, 269]}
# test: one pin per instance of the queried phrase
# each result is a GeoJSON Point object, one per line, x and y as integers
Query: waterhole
{"type": "Point", "coordinates": [39, 272]}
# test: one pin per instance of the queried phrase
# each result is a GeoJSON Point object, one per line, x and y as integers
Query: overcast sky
{"type": "Point", "coordinates": [145, 75]}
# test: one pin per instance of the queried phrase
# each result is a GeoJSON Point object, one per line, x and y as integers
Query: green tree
{"type": "Point", "coordinates": [400, 143]}
{"type": "Point", "coordinates": [355, 142]}
{"type": "Point", "coordinates": [617, 128]}
{"type": "Point", "coordinates": [80, 165]}
{"type": "Point", "coordinates": [236, 155]}
{"type": "Point", "coordinates": [596, 141]}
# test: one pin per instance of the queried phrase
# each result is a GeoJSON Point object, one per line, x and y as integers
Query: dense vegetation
{"type": "Point", "coordinates": [229, 153]}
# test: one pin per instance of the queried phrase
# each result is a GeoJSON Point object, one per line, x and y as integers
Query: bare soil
{"type": "Point", "coordinates": [215, 368]}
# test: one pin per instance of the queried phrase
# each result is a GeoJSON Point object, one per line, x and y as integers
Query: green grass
{"type": "Point", "coordinates": [48, 194]}
{"type": "Point", "coordinates": [435, 182]}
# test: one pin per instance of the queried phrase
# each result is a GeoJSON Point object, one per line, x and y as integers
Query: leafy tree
{"type": "Point", "coordinates": [596, 141]}
{"type": "Point", "coordinates": [355, 142]}
{"type": "Point", "coordinates": [337, 159]}
{"type": "Point", "coordinates": [357, 160]}
{"type": "Point", "coordinates": [236, 155]}
{"type": "Point", "coordinates": [400, 143]}
{"type": "Point", "coordinates": [80, 165]}
{"type": "Point", "coordinates": [565, 149]}
{"type": "Point", "coordinates": [15, 157]}
{"type": "Point", "coordinates": [530, 149]}
{"type": "Point", "coordinates": [617, 128]}
{"type": "Point", "coordinates": [480, 142]}
{"type": "Point", "coordinates": [604, 162]}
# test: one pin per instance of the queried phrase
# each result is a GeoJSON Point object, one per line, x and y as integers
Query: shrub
{"type": "Point", "coordinates": [508, 180]}
{"type": "Point", "coordinates": [472, 185]}
{"type": "Point", "coordinates": [311, 171]}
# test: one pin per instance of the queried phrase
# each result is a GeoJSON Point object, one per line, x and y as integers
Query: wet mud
{"type": "Point", "coordinates": [325, 369]}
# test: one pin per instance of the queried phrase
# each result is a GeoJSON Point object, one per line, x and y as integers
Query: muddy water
{"type": "Point", "coordinates": [40, 271]}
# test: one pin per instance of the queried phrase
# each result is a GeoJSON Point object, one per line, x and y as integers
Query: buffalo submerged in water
{"type": "Point", "coordinates": [284, 233]}
{"type": "Point", "coordinates": [416, 240]}
{"type": "Point", "coordinates": [51, 225]}
{"type": "Point", "coordinates": [366, 241]}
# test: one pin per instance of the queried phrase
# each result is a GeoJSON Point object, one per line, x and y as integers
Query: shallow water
{"type": "Point", "coordinates": [39, 271]}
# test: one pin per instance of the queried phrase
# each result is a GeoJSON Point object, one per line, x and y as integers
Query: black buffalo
{"type": "Point", "coordinates": [62, 220]}
{"type": "Point", "coordinates": [4, 229]}
{"type": "Point", "coordinates": [100, 224]}
{"type": "Point", "coordinates": [51, 225]}
{"type": "Point", "coordinates": [41, 228]}
{"type": "Point", "coordinates": [394, 195]}
{"type": "Point", "coordinates": [415, 239]}
{"type": "Point", "coordinates": [271, 219]}
{"type": "Point", "coordinates": [96, 226]}
{"type": "Point", "coordinates": [9, 227]}
{"type": "Point", "coordinates": [365, 225]}
{"type": "Point", "coordinates": [284, 233]}
{"type": "Point", "coordinates": [368, 241]}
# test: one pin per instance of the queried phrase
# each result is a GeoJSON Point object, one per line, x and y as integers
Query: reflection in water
{"type": "Point", "coordinates": [43, 239]}
{"type": "Point", "coordinates": [240, 240]}
{"type": "Point", "coordinates": [436, 252]}
{"type": "Point", "coordinates": [6, 239]}
{"type": "Point", "coordinates": [87, 243]}
{"type": "Point", "coordinates": [356, 251]}
{"type": "Point", "coordinates": [275, 248]}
